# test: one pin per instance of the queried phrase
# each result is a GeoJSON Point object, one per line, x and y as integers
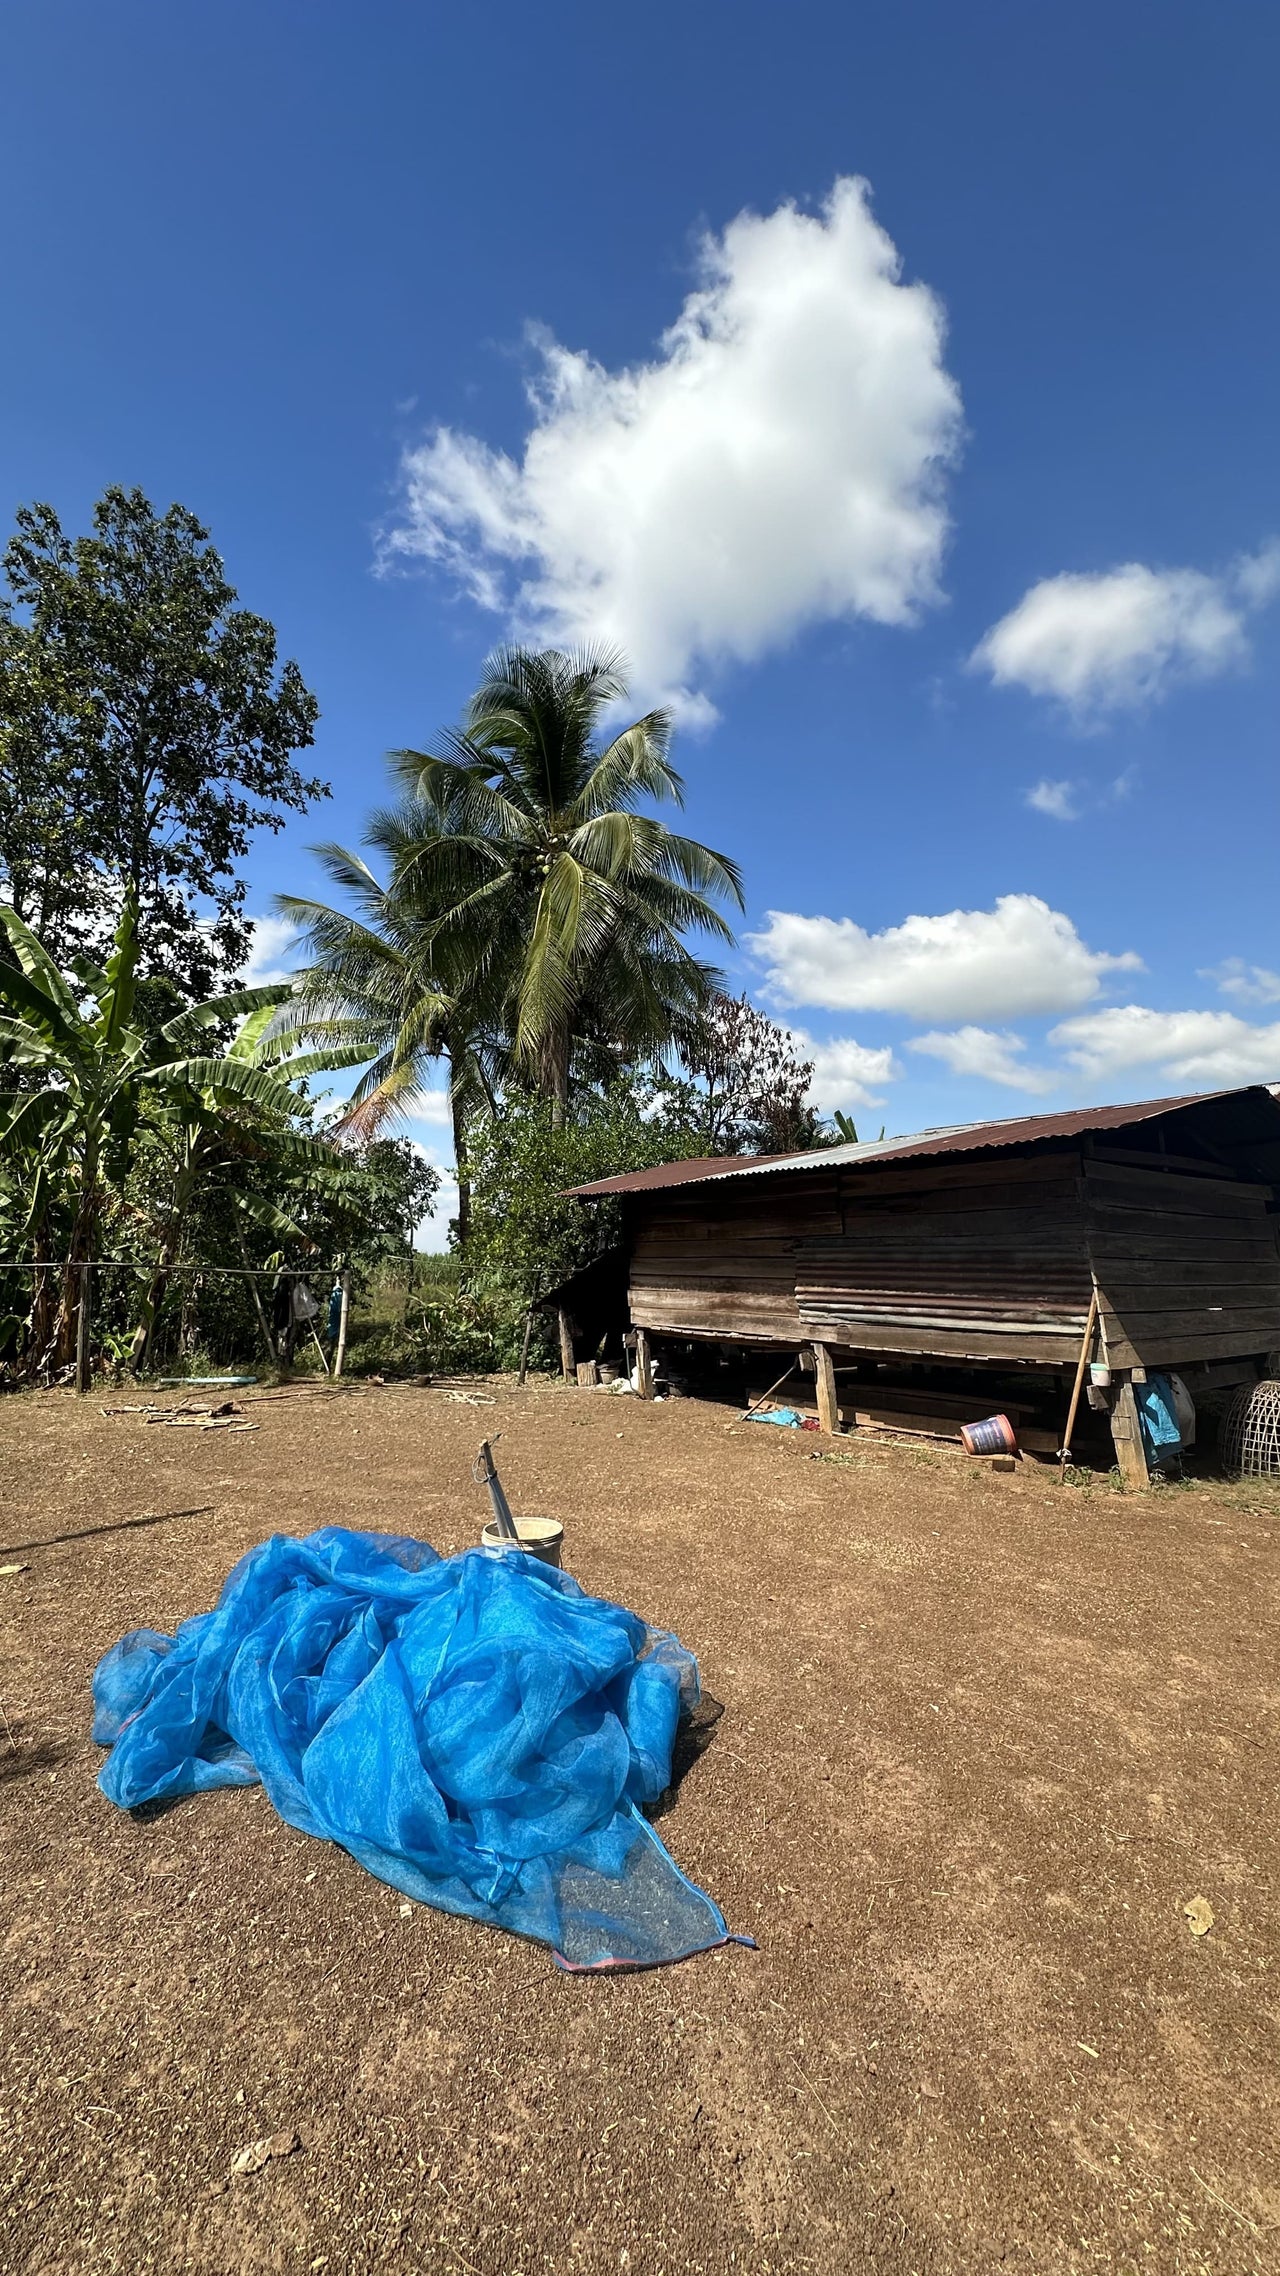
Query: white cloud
{"type": "Point", "coordinates": [779, 463]}
{"type": "Point", "coordinates": [272, 952]}
{"type": "Point", "coordinates": [1193, 1050]}
{"type": "Point", "coordinates": [432, 1235]}
{"type": "Point", "coordinates": [845, 1073]}
{"type": "Point", "coordinates": [433, 1108]}
{"type": "Point", "coordinates": [1245, 983]}
{"type": "Point", "coordinates": [1057, 799]}
{"type": "Point", "coordinates": [989, 1056]}
{"type": "Point", "coordinates": [1124, 636]}
{"type": "Point", "coordinates": [1257, 575]}
{"type": "Point", "coordinates": [1019, 958]}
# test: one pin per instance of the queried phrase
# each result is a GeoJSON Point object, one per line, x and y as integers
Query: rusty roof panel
{"type": "Point", "coordinates": [965, 1138]}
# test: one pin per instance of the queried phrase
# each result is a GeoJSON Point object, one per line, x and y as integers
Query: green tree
{"type": "Point", "coordinates": [373, 1222]}
{"type": "Point", "coordinates": [378, 972]}
{"type": "Point", "coordinates": [552, 888]}
{"type": "Point", "coordinates": [527, 1235]}
{"type": "Point", "coordinates": [750, 1087]}
{"type": "Point", "coordinates": [530, 923]}
{"type": "Point", "coordinates": [146, 733]}
{"type": "Point", "coordinates": [87, 1079]}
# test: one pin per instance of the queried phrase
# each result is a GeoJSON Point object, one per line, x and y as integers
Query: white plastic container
{"type": "Point", "coordinates": [540, 1537]}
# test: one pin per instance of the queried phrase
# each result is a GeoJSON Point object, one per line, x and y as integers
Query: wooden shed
{"type": "Point", "coordinates": [981, 1247]}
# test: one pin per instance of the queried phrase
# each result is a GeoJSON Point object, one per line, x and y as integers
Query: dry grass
{"type": "Point", "coordinates": [983, 1739]}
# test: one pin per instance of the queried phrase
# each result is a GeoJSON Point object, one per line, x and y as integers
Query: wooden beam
{"type": "Point", "coordinates": [83, 1305]}
{"type": "Point", "coordinates": [344, 1317]}
{"type": "Point", "coordinates": [828, 1404]}
{"type": "Point", "coordinates": [567, 1362]}
{"type": "Point", "coordinates": [1126, 1433]}
{"type": "Point", "coordinates": [644, 1365]}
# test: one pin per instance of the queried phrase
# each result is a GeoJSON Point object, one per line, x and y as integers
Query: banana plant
{"type": "Point", "coordinates": [88, 1078]}
{"type": "Point", "coordinates": [226, 1149]}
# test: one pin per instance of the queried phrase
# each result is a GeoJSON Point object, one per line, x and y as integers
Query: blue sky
{"type": "Point", "coordinates": [947, 513]}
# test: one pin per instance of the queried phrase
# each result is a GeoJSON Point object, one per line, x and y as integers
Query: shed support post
{"type": "Point", "coordinates": [828, 1404]}
{"type": "Point", "coordinates": [344, 1316]}
{"type": "Point", "coordinates": [1126, 1433]}
{"type": "Point", "coordinates": [644, 1364]}
{"type": "Point", "coordinates": [567, 1364]}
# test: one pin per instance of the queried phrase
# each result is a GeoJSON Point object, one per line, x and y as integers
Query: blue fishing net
{"type": "Point", "coordinates": [476, 1730]}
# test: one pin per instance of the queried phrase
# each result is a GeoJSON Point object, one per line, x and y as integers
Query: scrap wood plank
{"type": "Point", "coordinates": [939, 1425]}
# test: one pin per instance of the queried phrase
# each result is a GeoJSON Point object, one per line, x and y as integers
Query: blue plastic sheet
{"type": "Point", "coordinates": [476, 1730]}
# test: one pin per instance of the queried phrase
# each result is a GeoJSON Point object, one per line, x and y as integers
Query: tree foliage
{"type": "Point", "coordinates": [146, 733]}
{"type": "Point", "coordinates": [89, 1089]}
{"type": "Point", "coordinates": [750, 1093]}
{"type": "Point", "coordinates": [526, 1235]}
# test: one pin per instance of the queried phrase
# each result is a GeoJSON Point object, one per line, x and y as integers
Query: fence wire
{"type": "Point", "coordinates": [66, 1319]}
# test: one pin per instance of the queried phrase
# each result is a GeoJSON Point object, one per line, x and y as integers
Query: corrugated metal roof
{"type": "Point", "coordinates": [961, 1138]}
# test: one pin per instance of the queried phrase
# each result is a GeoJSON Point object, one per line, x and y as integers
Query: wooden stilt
{"type": "Point", "coordinates": [567, 1363]}
{"type": "Point", "coordinates": [1126, 1433]}
{"type": "Point", "coordinates": [644, 1364]}
{"type": "Point", "coordinates": [828, 1404]}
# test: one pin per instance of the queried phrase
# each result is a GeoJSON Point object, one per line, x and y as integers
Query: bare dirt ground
{"type": "Point", "coordinates": [982, 1740]}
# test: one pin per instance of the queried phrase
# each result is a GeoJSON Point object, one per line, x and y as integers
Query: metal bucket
{"type": "Point", "coordinates": [994, 1436]}
{"type": "Point", "coordinates": [540, 1537]}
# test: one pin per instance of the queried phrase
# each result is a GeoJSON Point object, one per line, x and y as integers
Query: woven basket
{"type": "Point", "coordinates": [1249, 1445]}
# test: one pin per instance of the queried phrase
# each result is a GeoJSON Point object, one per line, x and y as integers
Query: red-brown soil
{"type": "Point", "coordinates": [983, 1738]}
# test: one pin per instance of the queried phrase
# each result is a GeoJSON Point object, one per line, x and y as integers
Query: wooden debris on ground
{"type": "Point", "coordinates": [191, 1415]}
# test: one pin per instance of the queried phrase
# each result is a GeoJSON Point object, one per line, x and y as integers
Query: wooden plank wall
{"type": "Point", "coordinates": [720, 1259]}
{"type": "Point", "coordinates": [974, 1259]}
{"type": "Point", "coordinates": [1187, 1266]}
{"type": "Point", "coordinates": [966, 1258]}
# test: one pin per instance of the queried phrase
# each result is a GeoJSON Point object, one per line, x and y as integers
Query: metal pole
{"type": "Point", "coordinates": [82, 1329]}
{"type": "Point", "coordinates": [486, 1472]}
{"type": "Point", "coordinates": [344, 1314]}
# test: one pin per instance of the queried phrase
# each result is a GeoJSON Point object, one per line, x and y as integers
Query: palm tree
{"type": "Point", "coordinates": [527, 835]}
{"type": "Point", "coordinates": [530, 911]}
{"type": "Point", "coordinates": [377, 973]}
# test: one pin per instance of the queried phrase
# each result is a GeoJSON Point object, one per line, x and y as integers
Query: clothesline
{"type": "Point", "coordinates": [134, 1264]}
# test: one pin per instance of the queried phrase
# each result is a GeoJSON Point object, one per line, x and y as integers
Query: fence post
{"type": "Point", "coordinates": [264, 1325]}
{"type": "Point", "coordinates": [82, 1329]}
{"type": "Point", "coordinates": [344, 1313]}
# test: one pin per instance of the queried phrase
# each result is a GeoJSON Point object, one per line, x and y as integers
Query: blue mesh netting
{"type": "Point", "coordinates": [476, 1730]}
